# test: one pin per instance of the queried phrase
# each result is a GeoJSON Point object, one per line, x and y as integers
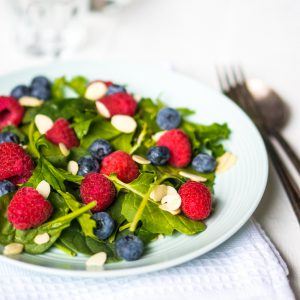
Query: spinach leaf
{"type": "Point", "coordinates": [81, 128]}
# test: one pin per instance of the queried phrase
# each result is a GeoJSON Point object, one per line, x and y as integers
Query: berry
{"type": "Point", "coordinates": [20, 91]}
{"type": "Point", "coordinates": [6, 187]}
{"type": "Point", "coordinates": [61, 132]}
{"type": "Point", "coordinates": [129, 247]}
{"type": "Point", "coordinates": [121, 164]}
{"type": "Point", "coordinates": [105, 225]}
{"type": "Point", "coordinates": [11, 112]}
{"type": "Point", "coordinates": [28, 209]}
{"type": "Point", "coordinates": [168, 118]}
{"type": "Point", "coordinates": [179, 145]}
{"type": "Point", "coordinates": [16, 165]}
{"type": "Point", "coordinates": [9, 137]}
{"type": "Point", "coordinates": [40, 81]}
{"type": "Point", "coordinates": [87, 164]}
{"type": "Point", "coordinates": [114, 88]}
{"type": "Point", "coordinates": [195, 200]}
{"type": "Point", "coordinates": [41, 92]}
{"type": "Point", "coordinates": [158, 155]}
{"type": "Point", "coordinates": [100, 148]}
{"type": "Point", "coordinates": [119, 104]}
{"type": "Point", "coordinates": [96, 187]}
{"type": "Point", "coordinates": [204, 163]}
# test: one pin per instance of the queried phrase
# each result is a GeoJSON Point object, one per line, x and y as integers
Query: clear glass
{"type": "Point", "coordinates": [48, 27]}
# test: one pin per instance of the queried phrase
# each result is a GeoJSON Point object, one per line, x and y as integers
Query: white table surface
{"type": "Point", "coordinates": [194, 36]}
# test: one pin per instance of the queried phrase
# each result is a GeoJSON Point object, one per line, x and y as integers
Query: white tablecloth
{"type": "Point", "coordinates": [245, 267]}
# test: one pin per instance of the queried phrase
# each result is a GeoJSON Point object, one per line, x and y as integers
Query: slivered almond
{"type": "Point", "coordinates": [95, 90]}
{"type": "Point", "coordinates": [73, 167]}
{"type": "Point", "coordinates": [193, 177]}
{"type": "Point", "coordinates": [30, 101]}
{"type": "Point", "coordinates": [140, 160]}
{"type": "Point", "coordinates": [44, 188]}
{"type": "Point", "coordinates": [42, 238]}
{"type": "Point", "coordinates": [96, 261]}
{"type": "Point", "coordinates": [171, 202]}
{"type": "Point", "coordinates": [43, 123]}
{"type": "Point", "coordinates": [158, 192]}
{"type": "Point", "coordinates": [63, 149]}
{"type": "Point", "coordinates": [158, 135]}
{"type": "Point", "coordinates": [102, 110]}
{"type": "Point", "coordinates": [225, 162]}
{"type": "Point", "coordinates": [124, 123]}
{"type": "Point", "coordinates": [13, 249]}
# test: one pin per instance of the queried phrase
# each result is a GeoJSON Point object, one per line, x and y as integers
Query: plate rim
{"type": "Point", "coordinates": [160, 265]}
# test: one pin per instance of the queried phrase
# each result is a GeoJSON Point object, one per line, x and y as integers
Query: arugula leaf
{"type": "Point", "coordinates": [57, 89]}
{"type": "Point", "coordinates": [123, 142]}
{"type": "Point", "coordinates": [7, 231]}
{"type": "Point", "coordinates": [156, 220]}
{"type": "Point", "coordinates": [78, 84]}
{"type": "Point", "coordinates": [185, 112]}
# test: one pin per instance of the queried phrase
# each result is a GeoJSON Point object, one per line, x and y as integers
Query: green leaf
{"type": "Point", "coordinates": [82, 128]}
{"type": "Point", "coordinates": [185, 112]}
{"type": "Point", "coordinates": [156, 220]}
{"type": "Point", "coordinates": [58, 86]}
{"type": "Point", "coordinates": [78, 84]}
{"type": "Point", "coordinates": [7, 231]}
{"type": "Point", "coordinates": [123, 142]}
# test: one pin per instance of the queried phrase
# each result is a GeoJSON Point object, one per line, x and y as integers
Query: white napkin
{"type": "Point", "coordinates": [246, 267]}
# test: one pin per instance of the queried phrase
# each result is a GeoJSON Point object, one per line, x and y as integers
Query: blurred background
{"type": "Point", "coordinates": [190, 36]}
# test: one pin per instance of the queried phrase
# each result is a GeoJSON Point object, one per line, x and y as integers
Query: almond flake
{"type": "Point", "coordinates": [42, 238]}
{"type": "Point", "coordinates": [95, 90]}
{"type": "Point", "coordinates": [158, 135]}
{"type": "Point", "coordinates": [137, 97]}
{"type": "Point", "coordinates": [225, 162]}
{"type": "Point", "coordinates": [63, 149]}
{"type": "Point", "coordinates": [171, 190]}
{"type": "Point", "coordinates": [96, 260]}
{"type": "Point", "coordinates": [158, 192]}
{"type": "Point", "coordinates": [124, 123]}
{"type": "Point", "coordinates": [141, 160]}
{"type": "Point", "coordinates": [44, 188]}
{"type": "Point", "coordinates": [73, 167]}
{"type": "Point", "coordinates": [160, 237]}
{"type": "Point", "coordinates": [13, 249]}
{"type": "Point", "coordinates": [102, 110]}
{"type": "Point", "coordinates": [175, 212]}
{"type": "Point", "coordinates": [30, 101]}
{"type": "Point", "coordinates": [193, 177]}
{"type": "Point", "coordinates": [171, 202]}
{"type": "Point", "coordinates": [43, 123]}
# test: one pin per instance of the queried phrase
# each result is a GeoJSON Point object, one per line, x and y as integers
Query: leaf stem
{"type": "Point", "coordinates": [125, 186]}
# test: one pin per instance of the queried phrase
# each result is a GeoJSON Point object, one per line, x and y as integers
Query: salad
{"type": "Point", "coordinates": [89, 168]}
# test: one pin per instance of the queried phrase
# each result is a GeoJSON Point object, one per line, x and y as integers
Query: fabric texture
{"type": "Point", "coordinates": [246, 267]}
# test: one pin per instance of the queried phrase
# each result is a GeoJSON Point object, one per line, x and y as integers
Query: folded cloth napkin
{"type": "Point", "coordinates": [246, 267]}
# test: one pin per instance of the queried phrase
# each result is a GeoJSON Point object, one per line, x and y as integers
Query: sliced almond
{"type": "Point", "coordinates": [171, 190]}
{"type": "Point", "coordinates": [171, 202]}
{"type": "Point", "coordinates": [63, 149]}
{"type": "Point", "coordinates": [158, 192]}
{"type": "Point", "coordinates": [73, 167]}
{"type": "Point", "coordinates": [43, 123]}
{"type": "Point", "coordinates": [30, 101]}
{"type": "Point", "coordinates": [137, 97]}
{"type": "Point", "coordinates": [13, 249]}
{"type": "Point", "coordinates": [102, 110]}
{"type": "Point", "coordinates": [160, 237]}
{"type": "Point", "coordinates": [140, 160]}
{"type": "Point", "coordinates": [44, 188]}
{"type": "Point", "coordinates": [193, 177]}
{"type": "Point", "coordinates": [97, 260]}
{"type": "Point", "coordinates": [124, 123]}
{"type": "Point", "coordinates": [95, 90]}
{"type": "Point", "coordinates": [42, 238]}
{"type": "Point", "coordinates": [158, 135]}
{"type": "Point", "coordinates": [175, 212]}
{"type": "Point", "coordinates": [225, 162]}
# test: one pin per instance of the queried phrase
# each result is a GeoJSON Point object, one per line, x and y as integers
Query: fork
{"type": "Point", "coordinates": [233, 84]}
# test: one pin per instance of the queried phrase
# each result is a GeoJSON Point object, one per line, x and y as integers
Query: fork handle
{"type": "Point", "coordinates": [287, 181]}
{"type": "Point", "coordinates": [287, 148]}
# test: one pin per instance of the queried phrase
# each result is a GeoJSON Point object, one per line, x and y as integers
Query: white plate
{"type": "Point", "coordinates": [237, 191]}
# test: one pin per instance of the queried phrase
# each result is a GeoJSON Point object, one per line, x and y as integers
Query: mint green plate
{"type": "Point", "coordinates": [237, 192]}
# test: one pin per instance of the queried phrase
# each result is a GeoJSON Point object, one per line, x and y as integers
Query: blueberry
{"type": "Point", "coordinates": [100, 148]}
{"type": "Point", "coordinates": [168, 118]}
{"type": "Point", "coordinates": [105, 225]}
{"type": "Point", "coordinates": [41, 92]}
{"type": "Point", "coordinates": [39, 81]}
{"type": "Point", "coordinates": [204, 163]}
{"type": "Point", "coordinates": [87, 164]}
{"type": "Point", "coordinates": [20, 91]}
{"type": "Point", "coordinates": [6, 187]}
{"type": "Point", "coordinates": [9, 137]}
{"type": "Point", "coordinates": [114, 88]}
{"type": "Point", "coordinates": [129, 247]}
{"type": "Point", "coordinates": [158, 155]}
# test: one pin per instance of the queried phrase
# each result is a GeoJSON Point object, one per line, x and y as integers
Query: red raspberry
{"type": "Point", "coordinates": [179, 145]}
{"type": "Point", "coordinates": [119, 104]}
{"type": "Point", "coordinates": [16, 165]}
{"type": "Point", "coordinates": [28, 209]}
{"type": "Point", "coordinates": [61, 132]}
{"type": "Point", "coordinates": [121, 164]}
{"type": "Point", "coordinates": [96, 187]}
{"type": "Point", "coordinates": [195, 200]}
{"type": "Point", "coordinates": [11, 112]}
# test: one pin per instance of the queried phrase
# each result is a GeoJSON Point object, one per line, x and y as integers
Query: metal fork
{"type": "Point", "coordinates": [233, 84]}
